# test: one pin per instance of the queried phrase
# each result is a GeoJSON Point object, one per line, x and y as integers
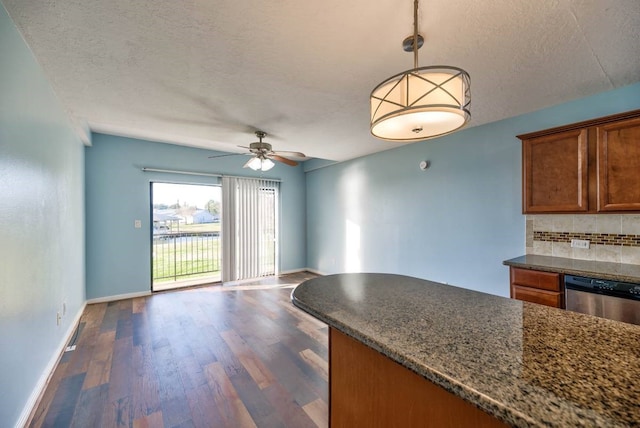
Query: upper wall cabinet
{"type": "Point", "coordinates": [586, 167]}
{"type": "Point", "coordinates": [619, 166]}
{"type": "Point", "coordinates": [555, 172]}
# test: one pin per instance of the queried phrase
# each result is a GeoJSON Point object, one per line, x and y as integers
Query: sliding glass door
{"type": "Point", "coordinates": [250, 228]}
{"type": "Point", "coordinates": [185, 241]}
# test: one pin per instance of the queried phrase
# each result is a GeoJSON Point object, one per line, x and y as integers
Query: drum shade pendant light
{"type": "Point", "coordinates": [420, 103]}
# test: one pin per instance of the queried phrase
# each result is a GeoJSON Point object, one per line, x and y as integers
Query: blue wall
{"type": "Point", "coordinates": [455, 222]}
{"type": "Point", "coordinates": [117, 193]}
{"type": "Point", "coordinates": [41, 226]}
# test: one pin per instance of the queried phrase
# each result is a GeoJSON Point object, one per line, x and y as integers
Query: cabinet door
{"type": "Point", "coordinates": [555, 174]}
{"type": "Point", "coordinates": [619, 166]}
{"type": "Point", "coordinates": [536, 279]}
{"type": "Point", "coordinates": [534, 286]}
{"type": "Point", "coordinates": [533, 295]}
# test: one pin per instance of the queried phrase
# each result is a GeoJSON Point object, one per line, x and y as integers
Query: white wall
{"type": "Point", "coordinates": [41, 225]}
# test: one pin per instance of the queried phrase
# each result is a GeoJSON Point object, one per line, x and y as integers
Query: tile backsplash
{"type": "Point", "coordinates": [612, 237]}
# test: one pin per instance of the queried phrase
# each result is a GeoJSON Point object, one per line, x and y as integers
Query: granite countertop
{"type": "Point", "coordinates": [591, 268]}
{"type": "Point", "coordinates": [526, 364]}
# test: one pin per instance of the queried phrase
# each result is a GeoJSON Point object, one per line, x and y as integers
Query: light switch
{"type": "Point", "coordinates": [138, 224]}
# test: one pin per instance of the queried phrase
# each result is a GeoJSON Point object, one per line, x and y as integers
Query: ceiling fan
{"type": "Point", "coordinates": [263, 155]}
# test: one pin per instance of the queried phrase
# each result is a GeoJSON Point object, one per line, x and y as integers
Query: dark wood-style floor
{"type": "Point", "coordinates": [211, 356]}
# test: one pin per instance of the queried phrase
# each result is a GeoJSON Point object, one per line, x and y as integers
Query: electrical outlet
{"type": "Point", "coordinates": [580, 243]}
{"type": "Point", "coordinates": [137, 224]}
{"type": "Point", "coordinates": [58, 318]}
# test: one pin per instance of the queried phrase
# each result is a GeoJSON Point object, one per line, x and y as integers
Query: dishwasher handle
{"type": "Point", "coordinates": [579, 283]}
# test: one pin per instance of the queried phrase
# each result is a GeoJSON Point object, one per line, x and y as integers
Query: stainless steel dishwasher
{"type": "Point", "coordinates": [615, 300]}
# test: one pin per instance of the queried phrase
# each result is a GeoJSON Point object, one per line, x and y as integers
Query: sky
{"type": "Point", "coordinates": [193, 195]}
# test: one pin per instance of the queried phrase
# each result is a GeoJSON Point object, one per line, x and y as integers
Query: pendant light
{"type": "Point", "coordinates": [420, 103]}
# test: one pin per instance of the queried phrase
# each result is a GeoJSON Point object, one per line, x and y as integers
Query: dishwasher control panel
{"type": "Point", "coordinates": [614, 300]}
{"type": "Point", "coordinates": [625, 290]}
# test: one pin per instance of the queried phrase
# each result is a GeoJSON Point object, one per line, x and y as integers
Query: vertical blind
{"type": "Point", "coordinates": [249, 228]}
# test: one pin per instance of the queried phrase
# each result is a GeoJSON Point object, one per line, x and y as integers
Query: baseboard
{"type": "Point", "coordinates": [108, 299]}
{"type": "Point", "coordinates": [317, 272]}
{"type": "Point", "coordinates": [287, 272]}
{"type": "Point", "coordinates": [38, 390]}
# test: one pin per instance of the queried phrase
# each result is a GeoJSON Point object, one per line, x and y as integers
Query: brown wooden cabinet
{"type": "Point", "coordinates": [555, 172]}
{"type": "Point", "coordinates": [534, 286]}
{"type": "Point", "coordinates": [368, 389]}
{"type": "Point", "coordinates": [586, 167]}
{"type": "Point", "coordinates": [619, 166]}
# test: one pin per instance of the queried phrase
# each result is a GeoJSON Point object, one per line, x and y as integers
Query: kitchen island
{"type": "Point", "coordinates": [515, 363]}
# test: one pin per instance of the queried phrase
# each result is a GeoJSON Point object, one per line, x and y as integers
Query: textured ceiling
{"type": "Point", "coordinates": [207, 73]}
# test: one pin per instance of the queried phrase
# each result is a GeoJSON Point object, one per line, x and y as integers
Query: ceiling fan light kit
{"type": "Point", "coordinates": [420, 103]}
{"type": "Point", "coordinates": [259, 164]}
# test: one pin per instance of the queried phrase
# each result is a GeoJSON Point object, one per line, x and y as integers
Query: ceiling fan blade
{"type": "Point", "coordinates": [262, 150]}
{"type": "Point", "coordinates": [221, 156]}
{"type": "Point", "coordinates": [283, 160]}
{"type": "Point", "coordinates": [290, 154]}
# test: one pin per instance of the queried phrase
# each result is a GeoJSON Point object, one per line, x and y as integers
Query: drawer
{"type": "Point", "coordinates": [536, 279]}
{"type": "Point", "coordinates": [542, 297]}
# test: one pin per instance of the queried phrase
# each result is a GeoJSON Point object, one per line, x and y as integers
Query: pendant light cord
{"type": "Point", "coordinates": [415, 33]}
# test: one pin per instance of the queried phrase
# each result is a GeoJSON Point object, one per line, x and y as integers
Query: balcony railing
{"type": "Point", "coordinates": [184, 255]}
